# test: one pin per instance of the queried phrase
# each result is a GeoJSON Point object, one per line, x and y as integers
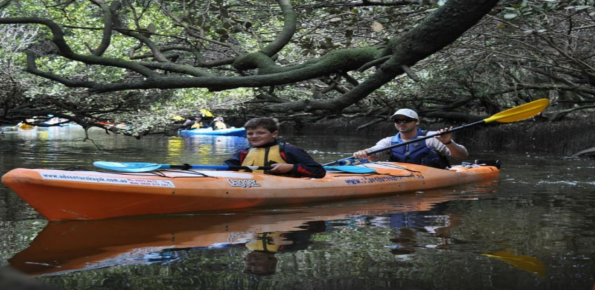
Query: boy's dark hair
{"type": "Point", "coordinates": [265, 122]}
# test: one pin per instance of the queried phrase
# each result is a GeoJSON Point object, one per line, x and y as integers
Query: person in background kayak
{"type": "Point", "coordinates": [218, 124]}
{"type": "Point", "coordinates": [198, 123]}
{"type": "Point", "coordinates": [429, 152]}
{"type": "Point", "coordinates": [188, 122]}
{"type": "Point", "coordinates": [266, 150]}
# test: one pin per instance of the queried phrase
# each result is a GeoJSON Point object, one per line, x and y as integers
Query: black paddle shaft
{"type": "Point", "coordinates": [427, 137]}
{"type": "Point", "coordinates": [184, 166]}
{"type": "Point", "coordinates": [237, 167]}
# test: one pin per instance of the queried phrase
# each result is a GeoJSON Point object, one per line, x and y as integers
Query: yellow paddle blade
{"type": "Point", "coordinates": [521, 112]}
{"type": "Point", "coordinates": [206, 113]}
{"type": "Point", "coordinates": [525, 263]}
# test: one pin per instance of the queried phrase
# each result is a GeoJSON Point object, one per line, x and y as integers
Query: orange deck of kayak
{"type": "Point", "coordinates": [83, 195]}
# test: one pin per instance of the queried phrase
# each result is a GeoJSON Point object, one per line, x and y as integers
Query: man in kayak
{"type": "Point", "coordinates": [266, 150]}
{"type": "Point", "coordinates": [430, 152]}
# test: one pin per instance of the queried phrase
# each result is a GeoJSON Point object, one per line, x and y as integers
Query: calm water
{"type": "Point", "coordinates": [532, 229]}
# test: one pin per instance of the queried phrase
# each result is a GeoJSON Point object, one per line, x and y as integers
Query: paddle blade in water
{"type": "Point", "coordinates": [521, 112]}
{"type": "Point", "coordinates": [525, 263]}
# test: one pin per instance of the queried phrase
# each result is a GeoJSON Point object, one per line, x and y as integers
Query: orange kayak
{"type": "Point", "coordinates": [85, 195]}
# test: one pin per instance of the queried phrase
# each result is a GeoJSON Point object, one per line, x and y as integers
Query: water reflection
{"type": "Point", "coordinates": [175, 147]}
{"type": "Point", "coordinates": [202, 148]}
{"type": "Point", "coordinates": [84, 245]}
{"type": "Point", "coordinates": [521, 262]}
{"type": "Point", "coordinates": [264, 246]}
{"type": "Point", "coordinates": [215, 144]}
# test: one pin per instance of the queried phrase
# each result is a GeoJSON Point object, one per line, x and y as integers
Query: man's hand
{"type": "Point", "coordinates": [444, 138]}
{"type": "Point", "coordinates": [362, 154]}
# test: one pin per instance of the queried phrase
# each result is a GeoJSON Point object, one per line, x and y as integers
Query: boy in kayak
{"type": "Point", "coordinates": [266, 150]}
{"type": "Point", "coordinates": [429, 152]}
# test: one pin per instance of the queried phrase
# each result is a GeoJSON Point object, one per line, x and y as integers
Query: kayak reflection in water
{"type": "Point", "coordinates": [412, 227]}
{"type": "Point", "coordinates": [262, 261]}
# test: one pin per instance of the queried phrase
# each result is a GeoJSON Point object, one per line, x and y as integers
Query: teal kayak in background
{"type": "Point", "coordinates": [209, 131]}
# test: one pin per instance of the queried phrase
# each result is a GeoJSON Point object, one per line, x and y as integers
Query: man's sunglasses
{"type": "Point", "coordinates": [407, 120]}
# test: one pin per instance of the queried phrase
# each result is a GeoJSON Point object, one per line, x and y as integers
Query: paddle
{"type": "Point", "coordinates": [518, 113]}
{"type": "Point", "coordinates": [350, 169]}
{"type": "Point", "coordinates": [147, 167]}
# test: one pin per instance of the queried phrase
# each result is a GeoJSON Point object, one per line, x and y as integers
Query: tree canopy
{"type": "Point", "coordinates": [87, 60]}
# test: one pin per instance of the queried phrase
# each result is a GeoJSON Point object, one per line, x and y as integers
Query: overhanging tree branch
{"type": "Point", "coordinates": [437, 31]}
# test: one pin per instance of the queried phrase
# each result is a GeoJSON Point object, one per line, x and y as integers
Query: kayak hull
{"type": "Point", "coordinates": [241, 132]}
{"type": "Point", "coordinates": [85, 195]}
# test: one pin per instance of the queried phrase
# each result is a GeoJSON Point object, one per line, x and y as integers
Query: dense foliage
{"type": "Point", "coordinates": [144, 61]}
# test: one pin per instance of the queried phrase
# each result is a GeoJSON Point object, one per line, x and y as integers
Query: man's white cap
{"type": "Point", "coordinates": [405, 112]}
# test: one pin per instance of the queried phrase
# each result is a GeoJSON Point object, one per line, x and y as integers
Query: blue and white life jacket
{"type": "Point", "coordinates": [417, 152]}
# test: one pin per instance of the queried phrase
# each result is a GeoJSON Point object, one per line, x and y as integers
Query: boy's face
{"type": "Point", "coordinates": [260, 136]}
